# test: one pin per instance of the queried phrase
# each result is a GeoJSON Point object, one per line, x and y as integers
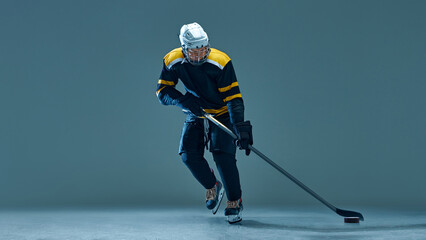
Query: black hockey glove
{"type": "Point", "coordinates": [245, 135]}
{"type": "Point", "coordinates": [189, 102]}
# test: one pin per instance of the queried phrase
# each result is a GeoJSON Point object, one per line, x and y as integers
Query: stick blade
{"type": "Point", "coordinates": [346, 213]}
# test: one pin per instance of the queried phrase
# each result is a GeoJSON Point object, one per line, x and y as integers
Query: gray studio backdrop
{"type": "Point", "coordinates": [335, 91]}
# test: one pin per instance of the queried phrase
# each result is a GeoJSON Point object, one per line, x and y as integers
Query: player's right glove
{"type": "Point", "coordinates": [245, 135]}
{"type": "Point", "coordinates": [189, 102]}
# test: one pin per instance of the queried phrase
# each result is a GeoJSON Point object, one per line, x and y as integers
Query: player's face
{"type": "Point", "coordinates": [197, 54]}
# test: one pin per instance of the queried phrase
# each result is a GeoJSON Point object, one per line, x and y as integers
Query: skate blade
{"type": "Point", "coordinates": [214, 210]}
{"type": "Point", "coordinates": [234, 219]}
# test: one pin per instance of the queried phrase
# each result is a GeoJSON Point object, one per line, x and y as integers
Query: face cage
{"type": "Point", "coordinates": [196, 56]}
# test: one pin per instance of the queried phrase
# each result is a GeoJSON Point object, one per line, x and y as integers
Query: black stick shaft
{"type": "Point", "coordinates": [292, 178]}
{"type": "Point", "coordinates": [273, 164]}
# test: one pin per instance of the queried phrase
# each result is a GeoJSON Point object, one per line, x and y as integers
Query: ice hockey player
{"type": "Point", "coordinates": [211, 86]}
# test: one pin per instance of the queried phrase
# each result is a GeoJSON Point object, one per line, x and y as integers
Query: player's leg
{"type": "Point", "coordinates": [192, 153]}
{"type": "Point", "coordinates": [227, 166]}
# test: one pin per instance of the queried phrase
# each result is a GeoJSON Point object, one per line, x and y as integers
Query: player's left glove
{"type": "Point", "coordinates": [189, 102]}
{"type": "Point", "coordinates": [244, 133]}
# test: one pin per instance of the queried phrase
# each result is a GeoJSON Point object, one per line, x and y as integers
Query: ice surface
{"type": "Point", "coordinates": [199, 223]}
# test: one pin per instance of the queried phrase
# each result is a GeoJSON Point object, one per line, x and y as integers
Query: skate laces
{"type": "Point", "coordinates": [211, 193]}
{"type": "Point", "coordinates": [233, 204]}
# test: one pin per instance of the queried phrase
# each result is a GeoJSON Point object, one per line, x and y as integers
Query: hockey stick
{"type": "Point", "coordinates": [341, 212]}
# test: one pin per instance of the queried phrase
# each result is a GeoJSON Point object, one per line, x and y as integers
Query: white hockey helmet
{"type": "Point", "coordinates": [195, 43]}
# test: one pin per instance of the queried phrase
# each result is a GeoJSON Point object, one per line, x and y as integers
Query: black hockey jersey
{"type": "Point", "coordinates": [214, 83]}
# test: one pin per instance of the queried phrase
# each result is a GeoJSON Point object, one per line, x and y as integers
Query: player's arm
{"type": "Point", "coordinates": [168, 94]}
{"type": "Point", "coordinates": [231, 95]}
{"type": "Point", "coordinates": [166, 87]}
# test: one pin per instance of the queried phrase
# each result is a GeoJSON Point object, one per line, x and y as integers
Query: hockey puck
{"type": "Point", "coordinates": [351, 220]}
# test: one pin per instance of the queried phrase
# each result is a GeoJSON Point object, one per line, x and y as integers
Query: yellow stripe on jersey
{"type": "Point", "coordinates": [218, 58]}
{"type": "Point", "coordinates": [164, 82]}
{"type": "Point", "coordinates": [218, 114]}
{"type": "Point", "coordinates": [216, 111]}
{"type": "Point", "coordinates": [232, 97]}
{"type": "Point", "coordinates": [224, 89]}
{"type": "Point", "coordinates": [159, 90]}
{"type": "Point", "coordinates": [173, 57]}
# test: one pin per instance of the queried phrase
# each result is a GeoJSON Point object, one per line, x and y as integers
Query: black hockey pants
{"type": "Point", "coordinates": [192, 143]}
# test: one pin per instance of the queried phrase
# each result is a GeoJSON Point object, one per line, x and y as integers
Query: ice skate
{"type": "Point", "coordinates": [233, 211]}
{"type": "Point", "coordinates": [214, 197]}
